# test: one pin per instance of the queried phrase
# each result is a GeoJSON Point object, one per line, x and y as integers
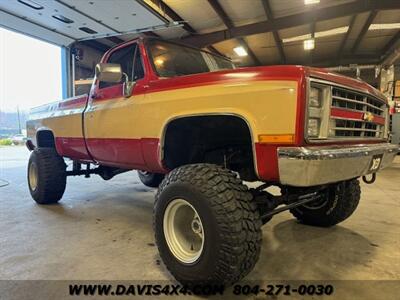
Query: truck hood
{"type": "Point", "coordinates": [284, 72]}
{"type": "Point", "coordinates": [350, 82]}
{"type": "Point", "coordinates": [319, 73]}
{"type": "Point", "coordinates": [295, 71]}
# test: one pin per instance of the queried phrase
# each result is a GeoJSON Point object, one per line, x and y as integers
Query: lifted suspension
{"type": "Point", "coordinates": [103, 171]}
{"type": "Point", "coordinates": [290, 198]}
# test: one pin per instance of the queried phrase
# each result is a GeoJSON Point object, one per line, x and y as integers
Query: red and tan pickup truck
{"type": "Point", "coordinates": [196, 127]}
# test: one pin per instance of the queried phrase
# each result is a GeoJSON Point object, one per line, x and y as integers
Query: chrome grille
{"type": "Point", "coordinates": [338, 112]}
{"type": "Point", "coordinates": [347, 99]}
{"type": "Point", "coordinates": [350, 128]}
{"type": "Point", "coordinates": [353, 101]}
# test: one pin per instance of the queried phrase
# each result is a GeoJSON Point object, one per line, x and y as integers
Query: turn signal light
{"type": "Point", "coordinates": [276, 138]}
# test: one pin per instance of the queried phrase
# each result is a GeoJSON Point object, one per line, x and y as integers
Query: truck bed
{"type": "Point", "coordinates": [65, 119]}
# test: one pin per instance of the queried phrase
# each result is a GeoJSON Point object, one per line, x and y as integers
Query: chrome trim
{"type": "Point", "coordinates": [356, 129]}
{"type": "Point", "coordinates": [357, 102]}
{"type": "Point", "coordinates": [310, 166]}
{"type": "Point", "coordinates": [383, 99]}
{"type": "Point", "coordinates": [350, 119]}
{"type": "Point", "coordinates": [341, 139]}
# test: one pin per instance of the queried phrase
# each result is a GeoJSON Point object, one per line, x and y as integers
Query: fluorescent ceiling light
{"type": "Point", "coordinates": [319, 34]}
{"type": "Point", "coordinates": [307, 2]}
{"type": "Point", "coordinates": [384, 26]}
{"type": "Point", "coordinates": [330, 32]}
{"type": "Point", "coordinates": [240, 51]}
{"type": "Point", "coordinates": [309, 44]}
{"type": "Point", "coordinates": [339, 30]}
{"type": "Point", "coordinates": [297, 38]}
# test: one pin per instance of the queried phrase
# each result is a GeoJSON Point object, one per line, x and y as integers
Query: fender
{"type": "Point", "coordinates": [38, 131]}
{"type": "Point", "coordinates": [203, 114]}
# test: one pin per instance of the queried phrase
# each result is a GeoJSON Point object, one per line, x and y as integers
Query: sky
{"type": "Point", "coordinates": [30, 72]}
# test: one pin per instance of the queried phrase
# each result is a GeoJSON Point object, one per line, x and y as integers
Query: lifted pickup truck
{"type": "Point", "coordinates": [196, 126]}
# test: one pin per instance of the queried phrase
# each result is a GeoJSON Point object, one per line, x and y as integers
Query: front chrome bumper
{"type": "Point", "coordinates": [309, 166]}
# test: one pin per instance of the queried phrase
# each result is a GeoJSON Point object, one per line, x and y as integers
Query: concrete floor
{"type": "Point", "coordinates": [103, 231]}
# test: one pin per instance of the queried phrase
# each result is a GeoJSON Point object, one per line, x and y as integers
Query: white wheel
{"type": "Point", "coordinates": [183, 231]}
{"type": "Point", "coordinates": [33, 176]}
{"type": "Point", "coordinates": [207, 227]}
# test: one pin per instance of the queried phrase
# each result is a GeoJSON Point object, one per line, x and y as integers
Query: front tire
{"type": "Point", "coordinates": [207, 228]}
{"type": "Point", "coordinates": [47, 176]}
{"type": "Point", "coordinates": [338, 204]}
{"type": "Point", "coordinates": [150, 179]}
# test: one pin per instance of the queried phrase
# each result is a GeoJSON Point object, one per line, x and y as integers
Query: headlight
{"type": "Point", "coordinates": [313, 127]}
{"type": "Point", "coordinates": [318, 110]}
{"type": "Point", "coordinates": [315, 97]}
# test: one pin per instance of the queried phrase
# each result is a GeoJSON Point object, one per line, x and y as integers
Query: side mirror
{"type": "Point", "coordinates": [113, 73]}
{"type": "Point", "coordinates": [109, 72]}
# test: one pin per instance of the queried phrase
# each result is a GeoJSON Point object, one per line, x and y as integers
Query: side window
{"type": "Point", "coordinates": [124, 57]}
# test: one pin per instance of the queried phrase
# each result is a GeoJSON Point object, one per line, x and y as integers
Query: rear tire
{"type": "Point", "coordinates": [150, 179]}
{"type": "Point", "coordinates": [230, 225]}
{"type": "Point", "coordinates": [339, 203]}
{"type": "Point", "coordinates": [47, 176]}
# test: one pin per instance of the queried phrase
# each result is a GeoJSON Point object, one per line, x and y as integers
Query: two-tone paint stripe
{"type": "Point", "coordinates": [355, 116]}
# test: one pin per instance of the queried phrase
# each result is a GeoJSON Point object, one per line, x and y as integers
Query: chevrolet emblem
{"type": "Point", "coordinates": [368, 117]}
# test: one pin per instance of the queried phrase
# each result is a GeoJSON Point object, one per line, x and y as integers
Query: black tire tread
{"type": "Point", "coordinates": [348, 198]}
{"type": "Point", "coordinates": [236, 214]}
{"type": "Point", "coordinates": [151, 181]}
{"type": "Point", "coordinates": [52, 181]}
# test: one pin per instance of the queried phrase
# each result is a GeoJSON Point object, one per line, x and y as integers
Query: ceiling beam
{"type": "Point", "coordinates": [215, 51]}
{"type": "Point", "coordinates": [173, 15]}
{"type": "Point", "coordinates": [391, 44]}
{"type": "Point", "coordinates": [244, 44]}
{"type": "Point", "coordinates": [321, 14]}
{"type": "Point", "coordinates": [346, 37]}
{"type": "Point", "coordinates": [229, 24]}
{"type": "Point", "coordinates": [93, 44]}
{"type": "Point", "coordinates": [150, 34]}
{"type": "Point", "coordinates": [275, 33]}
{"type": "Point", "coordinates": [115, 39]}
{"type": "Point", "coordinates": [390, 48]}
{"type": "Point", "coordinates": [347, 60]}
{"type": "Point", "coordinates": [364, 30]}
{"type": "Point", "coordinates": [312, 31]}
{"type": "Point", "coordinates": [177, 18]}
{"type": "Point", "coordinates": [221, 13]}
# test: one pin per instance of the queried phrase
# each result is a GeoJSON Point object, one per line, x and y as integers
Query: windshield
{"type": "Point", "coordinates": [171, 60]}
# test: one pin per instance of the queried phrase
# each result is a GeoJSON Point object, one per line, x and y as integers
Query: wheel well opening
{"type": "Point", "coordinates": [45, 139]}
{"type": "Point", "coordinates": [221, 140]}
